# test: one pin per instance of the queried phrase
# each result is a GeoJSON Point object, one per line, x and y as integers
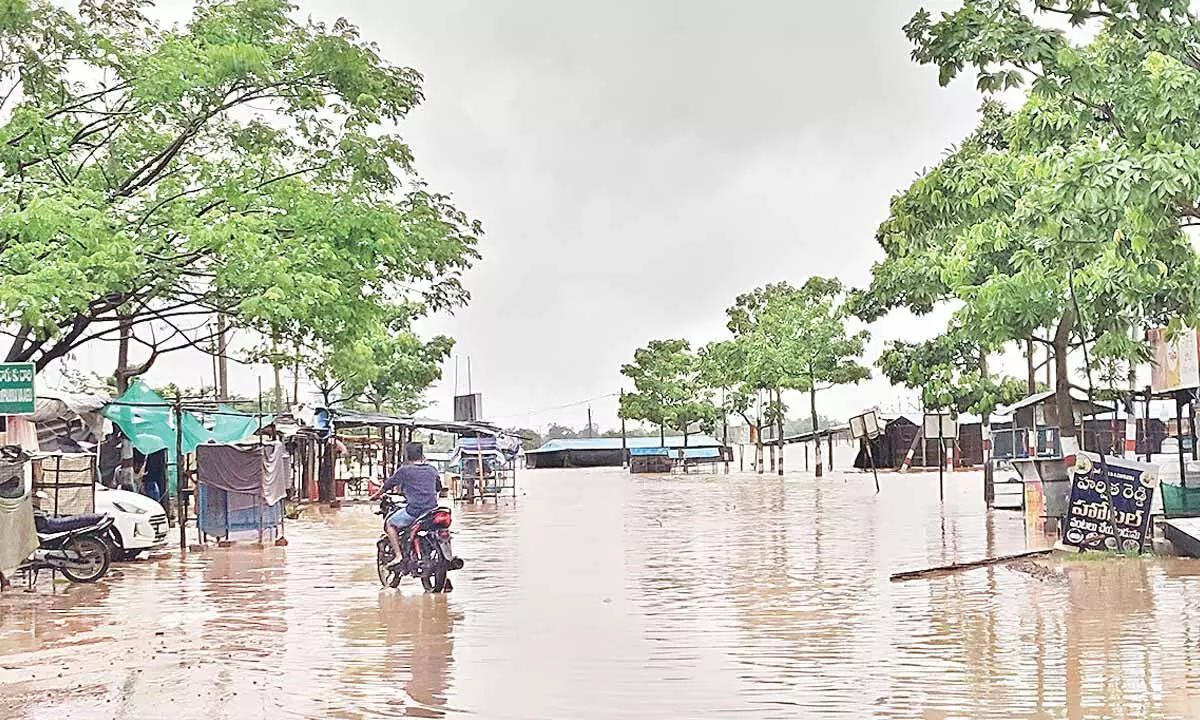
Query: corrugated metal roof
{"type": "Point", "coordinates": [1079, 395]}
{"type": "Point", "coordinates": [615, 443]}
{"type": "Point", "coordinates": [345, 418]}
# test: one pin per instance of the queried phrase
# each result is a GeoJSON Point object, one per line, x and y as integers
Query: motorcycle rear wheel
{"type": "Point", "coordinates": [94, 558]}
{"type": "Point", "coordinates": [434, 568]}
{"type": "Point", "coordinates": [387, 576]}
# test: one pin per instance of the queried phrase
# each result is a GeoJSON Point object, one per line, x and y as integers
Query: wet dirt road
{"type": "Point", "coordinates": [598, 595]}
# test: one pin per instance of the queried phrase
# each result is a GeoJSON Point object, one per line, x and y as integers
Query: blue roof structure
{"type": "Point", "coordinates": [693, 441]}
{"type": "Point", "coordinates": [648, 452]}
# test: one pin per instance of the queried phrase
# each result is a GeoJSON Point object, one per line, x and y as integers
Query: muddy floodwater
{"type": "Point", "coordinates": [595, 594]}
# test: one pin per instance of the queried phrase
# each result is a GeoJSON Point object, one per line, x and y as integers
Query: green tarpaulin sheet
{"type": "Point", "coordinates": [149, 422]}
{"type": "Point", "coordinates": [1180, 502]}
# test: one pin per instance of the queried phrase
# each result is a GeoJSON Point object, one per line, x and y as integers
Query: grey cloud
{"type": "Point", "coordinates": [639, 164]}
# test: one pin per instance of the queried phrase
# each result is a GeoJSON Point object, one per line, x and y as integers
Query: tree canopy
{"type": "Point", "coordinates": [669, 390]}
{"type": "Point", "coordinates": [245, 163]}
{"type": "Point", "coordinates": [1062, 221]}
{"type": "Point", "coordinates": [950, 373]}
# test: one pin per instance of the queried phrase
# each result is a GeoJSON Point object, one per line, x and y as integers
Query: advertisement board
{"type": "Point", "coordinates": [1109, 507]}
{"type": "Point", "coordinates": [1176, 363]}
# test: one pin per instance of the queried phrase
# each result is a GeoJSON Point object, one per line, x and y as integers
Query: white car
{"type": "Point", "coordinates": [140, 522]}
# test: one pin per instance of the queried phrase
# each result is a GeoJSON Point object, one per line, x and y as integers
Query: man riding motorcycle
{"type": "Point", "coordinates": [420, 484]}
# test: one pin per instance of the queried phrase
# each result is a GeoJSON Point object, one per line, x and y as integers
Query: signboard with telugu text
{"type": "Point", "coordinates": [1109, 507]}
{"type": "Point", "coordinates": [17, 392]}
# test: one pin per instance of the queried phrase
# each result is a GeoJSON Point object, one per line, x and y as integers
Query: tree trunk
{"type": "Point", "coordinates": [222, 358]}
{"type": "Point", "coordinates": [989, 487]}
{"type": "Point", "coordinates": [275, 363]}
{"type": "Point", "coordinates": [724, 435]}
{"type": "Point", "coordinates": [812, 402]}
{"type": "Point", "coordinates": [779, 422]}
{"type": "Point", "coordinates": [684, 451]}
{"type": "Point", "coordinates": [121, 374]}
{"type": "Point", "coordinates": [1031, 383]}
{"type": "Point", "coordinates": [296, 377]}
{"type": "Point", "coordinates": [756, 438]}
{"type": "Point", "coordinates": [1062, 377]}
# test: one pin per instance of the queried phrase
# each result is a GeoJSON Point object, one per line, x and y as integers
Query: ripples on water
{"type": "Point", "coordinates": [599, 595]}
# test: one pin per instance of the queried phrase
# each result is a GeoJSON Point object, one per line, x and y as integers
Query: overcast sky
{"type": "Point", "coordinates": [637, 165]}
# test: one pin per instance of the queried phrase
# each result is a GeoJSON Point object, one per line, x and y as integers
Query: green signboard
{"type": "Point", "coordinates": [16, 388]}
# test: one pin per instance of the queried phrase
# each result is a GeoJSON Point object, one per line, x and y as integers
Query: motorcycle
{"type": "Point", "coordinates": [430, 557]}
{"type": "Point", "coordinates": [78, 546]}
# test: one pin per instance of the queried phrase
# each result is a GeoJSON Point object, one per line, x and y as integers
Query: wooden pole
{"type": "Point", "coordinates": [180, 505]}
{"type": "Point", "coordinates": [222, 358]}
{"type": "Point", "coordinates": [624, 440]}
{"type": "Point", "coordinates": [261, 490]}
{"type": "Point", "coordinates": [1146, 430]}
{"type": "Point", "coordinates": [726, 451]}
{"type": "Point", "coordinates": [1192, 427]}
{"type": "Point", "coordinates": [946, 569]}
{"type": "Point", "coordinates": [942, 471]}
{"type": "Point", "coordinates": [216, 371]}
{"type": "Point", "coordinates": [874, 471]}
{"type": "Point", "coordinates": [478, 444]}
{"type": "Point", "coordinates": [1179, 438]}
{"type": "Point", "coordinates": [779, 424]}
{"type": "Point", "coordinates": [989, 475]}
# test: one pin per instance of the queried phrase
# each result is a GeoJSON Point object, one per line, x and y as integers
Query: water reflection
{"type": "Point", "coordinates": [600, 595]}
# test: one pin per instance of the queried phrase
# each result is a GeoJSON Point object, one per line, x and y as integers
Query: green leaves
{"type": "Point", "coordinates": [1087, 186]}
{"type": "Point", "coordinates": [669, 387]}
{"type": "Point", "coordinates": [950, 373]}
{"type": "Point", "coordinates": [241, 163]}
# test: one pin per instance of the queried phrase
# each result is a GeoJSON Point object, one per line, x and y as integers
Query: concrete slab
{"type": "Point", "coordinates": [1184, 534]}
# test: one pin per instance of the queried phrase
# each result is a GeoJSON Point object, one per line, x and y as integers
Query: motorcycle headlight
{"type": "Point", "coordinates": [126, 508]}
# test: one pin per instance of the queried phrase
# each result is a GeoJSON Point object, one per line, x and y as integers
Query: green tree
{"type": "Point", "coordinates": [950, 373]}
{"type": "Point", "coordinates": [1061, 222]}
{"type": "Point", "coordinates": [404, 368]}
{"type": "Point", "coordinates": [796, 339]}
{"type": "Point", "coordinates": [725, 367]}
{"type": "Point", "coordinates": [244, 163]}
{"type": "Point", "coordinates": [530, 439]}
{"type": "Point", "coordinates": [669, 389]}
{"type": "Point", "coordinates": [560, 432]}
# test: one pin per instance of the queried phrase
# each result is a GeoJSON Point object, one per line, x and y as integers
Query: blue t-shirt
{"type": "Point", "coordinates": [419, 483]}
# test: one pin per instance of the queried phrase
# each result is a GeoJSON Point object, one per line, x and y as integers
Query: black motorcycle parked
{"type": "Point", "coordinates": [428, 541]}
{"type": "Point", "coordinates": [78, 546]}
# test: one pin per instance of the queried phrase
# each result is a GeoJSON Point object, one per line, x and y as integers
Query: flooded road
{"type": "Point", "coordinates": [599, 595]}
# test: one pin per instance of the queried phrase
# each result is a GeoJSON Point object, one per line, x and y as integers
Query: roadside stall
{"type": "Point", "coordinates": [175, 429]}
{"type": "Point", "coordinates": [241, 489]}
{"type": "Point", "coordinates": [486, 466]}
